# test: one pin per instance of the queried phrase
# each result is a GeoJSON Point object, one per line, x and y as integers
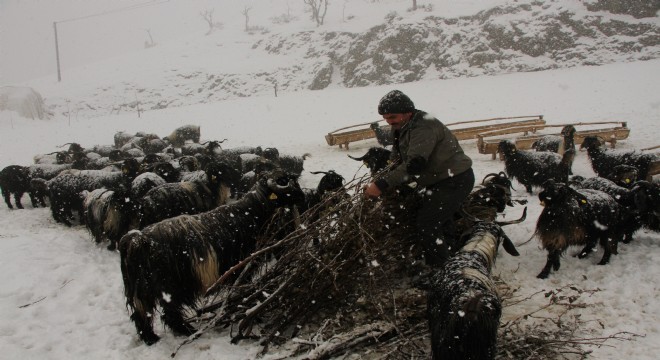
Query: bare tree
{"type": "Point", "coordinates": [414, 5]}
{"type": "Point", "coordinates": [246, 14]}
{"type": "Point", "coordinates": [149, 43]}
{"type": "Point", "coordinates": [207, 15]}
{"type": "Point", "coordinates": [319, 8]}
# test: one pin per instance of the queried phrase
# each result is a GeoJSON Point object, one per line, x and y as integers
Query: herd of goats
{"type": "Point", "coordinates": [181, 213]}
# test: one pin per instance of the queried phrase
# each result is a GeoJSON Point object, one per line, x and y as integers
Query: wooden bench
{"type": "Point", "coordinates": [488, 142]}
{"type": "Point", "coordinates": [344, 138]}
{"type": "Point", "coordinates": [489, 146]}
{"type": "Point", "coordinates": [463, 130]}
{"type": "Point", "coordinates": [472, 132]}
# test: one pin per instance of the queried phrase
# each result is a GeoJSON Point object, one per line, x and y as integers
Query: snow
{"type": "Point", "coordinates": [62, 294]}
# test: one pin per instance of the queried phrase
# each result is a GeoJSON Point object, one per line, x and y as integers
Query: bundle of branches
{"type": "Point", "coordinates": [341, 279]}
{"type": "Point", "coordinates": [553, 330]}
{"type": "Point", "coordinates": [345, 269]}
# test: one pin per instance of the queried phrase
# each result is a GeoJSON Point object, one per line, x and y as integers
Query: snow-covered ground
{"type": "Point", "coordinates": [62, 295]}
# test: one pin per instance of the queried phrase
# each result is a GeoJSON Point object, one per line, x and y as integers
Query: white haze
{"type": "Point", "coordinates": [73, 288]}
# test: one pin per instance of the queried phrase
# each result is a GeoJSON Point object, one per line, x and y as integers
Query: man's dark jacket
{"type": "Point", "coordinates": [425, 147]}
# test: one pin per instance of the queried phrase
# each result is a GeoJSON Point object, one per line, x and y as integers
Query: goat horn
{"type": "Point", "coordinates": [489, 176]}
{"type": "Point", "coordinates": [508, 246]}
{"type": "Point", "coordinates": [518, 221]}
{"type": "Point", "coordinates": [354, 158]}
{"type": "Point", "coordinates": [275, 186]}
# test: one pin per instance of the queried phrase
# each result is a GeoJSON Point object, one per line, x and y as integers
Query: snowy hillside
{"type": "Point", "coordinates": [402, 46]}
{"type": "Point", "coordinates": [62, 294]}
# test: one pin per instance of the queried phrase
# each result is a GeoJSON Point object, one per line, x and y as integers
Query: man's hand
{"type": "Point", "coordinates": [372, 191]}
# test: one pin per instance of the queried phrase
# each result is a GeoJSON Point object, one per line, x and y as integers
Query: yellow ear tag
{"type": "Point", "coordinates": [272, 196]}
{"type": "Point", "coordinates": [627, 181]}
{"type": "Point", "coordinates": [583, 201]}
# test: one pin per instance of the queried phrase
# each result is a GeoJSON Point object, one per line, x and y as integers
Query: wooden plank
{"type": "Point", "coordinates": [472, 132]}
{"type": "Point", "coordinates": [610, 135]}
{"type": "Point", "coordinates": [343, 138]}
{"type": "Point", "coordinates": [487, 145]}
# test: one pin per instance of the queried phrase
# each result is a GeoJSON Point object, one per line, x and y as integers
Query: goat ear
{"type": "Point", "coordinates": [507, 244]}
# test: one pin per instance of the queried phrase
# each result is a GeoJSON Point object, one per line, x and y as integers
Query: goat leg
{"type": "Point", "coordinates": [589, 248]}
{"type": "Point", "coordinates": [33, 199]}
{"type": "Point", "coordinates": [552, 262]}
{"type": "Point", "coordinates": [6, 195]}
{"type": "Point", "coordinates": [609, 245]}
{"type": "Point", "coordinates": [173, 318]}
{"type": "Point", "coordinates": [17, 199]}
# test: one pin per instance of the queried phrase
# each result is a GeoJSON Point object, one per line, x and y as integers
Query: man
{"type": "Point", "coordinates": [429, 154]}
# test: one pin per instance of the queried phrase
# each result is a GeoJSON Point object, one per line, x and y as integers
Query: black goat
{"type": "Point", "coordinates": [384, 134]}
{"type": "Point", "coordinates": [180, 135]}
{"type": "Point", "coordinates": [145, 182]}
{"type": "Point", "coordinates": [66, 190]}
{"type": "Point", "coordinates": [249, 178]}
{"type": "Point", "coordinates": [630, 216]}
{"type": "Point", "coordinates": [647, 202]}
{"type": "Point", "coordinates": [532, 168]}
{"type": "Point", "coordinates": [576, 217]}
{"type": "Point", "coordinates": [15, 179]}
{"type": "Point", "coordinates": [331, 181]}
{"type": "Point", "coordinates": [174, 262]}
{"type": "Point", "coordinates": [289, 163]}
{"type": "Point", "coordinates": [109, 214]}
{"type": "Point", "coordinates": [557, 143]}
{"type": "Point", "coordinates": [622, 175]}
{"type": "Point", "coordinates": [463, 306]}
{"type": "Point", "coordinates": [188, 197]}
{"type": "Point", "coordinates": [603, 160]}
{"type": "Point", "coordinates": [375, 159]}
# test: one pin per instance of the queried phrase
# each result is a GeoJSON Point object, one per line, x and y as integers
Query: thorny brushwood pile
{"type": "Point", "coordinates": [342, 282]}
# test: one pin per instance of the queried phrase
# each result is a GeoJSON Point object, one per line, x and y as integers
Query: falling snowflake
{"type": "Point", "coordinates": [600, 226]}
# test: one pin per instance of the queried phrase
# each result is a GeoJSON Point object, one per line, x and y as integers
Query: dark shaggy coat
{"type": "Point", "coordinates": [66, 190]}
{"type": "Point", "coordinates": [463, 306]}
{"type": "Point", "coordinates": [532, 168]}
{"type": "Point", "coordinates": [375, 159]}
{"type": "Point", "coordinates": [15, 179]}
{"type": "Point", "coordinates": [604, 160]}
{"type": "Point", "coordinates": [109, 214]}
{"type": "Point", "coordinates": [577, 217]}
{"type": "Point", "coordinates": [173, 263]}
{"type": "Point", "coordinates": [557, 143]}
{"type": "Point", "coordinates": [188, 197]}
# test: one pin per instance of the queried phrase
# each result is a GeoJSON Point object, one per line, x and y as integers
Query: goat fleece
{"type": "Point", "coordinates": [463, 306]}
{"type": "Point", "coordinates": [183, 256]}
{"type": "Point", "coordinates": [532, 168]}
{"type": "Point", "coordinates": [577, 217]}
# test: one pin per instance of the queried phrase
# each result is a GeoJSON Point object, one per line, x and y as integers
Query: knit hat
{"type": "Point", "coordinates": [395, 102]}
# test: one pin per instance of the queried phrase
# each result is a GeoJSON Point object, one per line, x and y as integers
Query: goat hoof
{"type": "Point", "coordinates": [150, 339]}
{"type": "Point", "coordinates": [542, 275]}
